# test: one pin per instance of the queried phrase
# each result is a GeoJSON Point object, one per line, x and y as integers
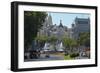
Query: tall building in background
{"type": "Point", "coordinates": [80, 25]}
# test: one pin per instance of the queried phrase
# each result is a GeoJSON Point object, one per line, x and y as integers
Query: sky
{"type": "Point", "coordinates": [67, 18]}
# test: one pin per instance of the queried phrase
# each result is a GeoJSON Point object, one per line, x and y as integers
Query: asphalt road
{"type": "Point", "coordinates": [44, 58]}
{"type": "Point", "coordinates": [52, 57]}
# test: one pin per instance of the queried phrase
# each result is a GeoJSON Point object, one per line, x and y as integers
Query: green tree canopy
{"type": "Point", "coordinates": [42, 38]}
{"type": "Point", "coordinates": [84, 39]}
{"type": "Point", "coordinates": [69, 43]}
{"type": "Point", "coordinates": [32, 22]}
{"type": "Point", "coordinates": [52, 39]}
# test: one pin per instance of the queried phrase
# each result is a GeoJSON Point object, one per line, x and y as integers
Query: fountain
{"type": "Point", "coordinates": [46, 47]}
{"type": "Point", "coordinates": [60, 47]}
{"type": "Point", "coordinates": [46, 50]}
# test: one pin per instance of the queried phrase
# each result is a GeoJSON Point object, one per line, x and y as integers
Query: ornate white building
{"type": "Point", "coordinates": [50, 29]}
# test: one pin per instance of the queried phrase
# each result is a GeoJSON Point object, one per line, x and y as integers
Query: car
{"type": "Point", "coordinates": [34, 54]}
{"type": "Point", "coordinates": [84, 54]}
{"type": "Point", "coordinates": [47, 55]}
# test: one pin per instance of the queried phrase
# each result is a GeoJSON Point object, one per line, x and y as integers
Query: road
{"type": "Point", "coordinates": [44, 58]}
{"type": "Point", "coordinates": [52, 57]}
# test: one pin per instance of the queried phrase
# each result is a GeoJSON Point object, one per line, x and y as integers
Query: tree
{"type": "Point", "coordinates": [41, 40]}
{"type": "Point", "coordinates": [84, 39]}
{"type": "Point", "coordinates": [52, 40]}
{"type": "Point", "coordinates": [66, 42]}
{"type": "Point", "coordinates": [69, 43]}
{"type": "Point", "coordinates": [32, 23]}
{"type": "Point", "coordinates": [74, 44]}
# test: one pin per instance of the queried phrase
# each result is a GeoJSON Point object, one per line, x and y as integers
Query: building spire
{"type": "Point", "coordinates": [60, 24]}
{"type": "Point", "coordinates": [50, 19]}
{"type": "Point", "coordinates": [60, 21]}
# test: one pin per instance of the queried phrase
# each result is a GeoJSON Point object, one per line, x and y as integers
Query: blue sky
{"type": "Point", "coordinates": [67, 18]}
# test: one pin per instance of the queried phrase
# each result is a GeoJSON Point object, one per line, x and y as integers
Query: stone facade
{"type": "Point", "coordinates": [59, 30]}
{"type": "Point", "coordinates": [50, 29]}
